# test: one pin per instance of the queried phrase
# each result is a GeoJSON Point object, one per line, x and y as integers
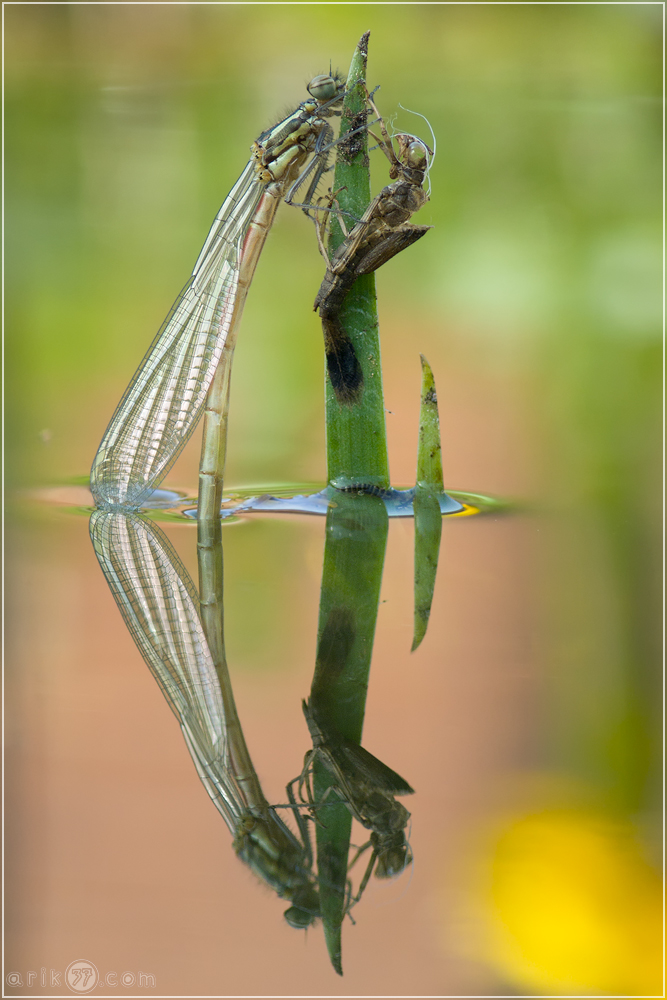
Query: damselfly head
{"type": "Point", "coordinates": [305, 909]}
{"type": "Point", "coordinates": [431, 152]}
{"type": "Point", "coordinates": [325, 87]}
{"type": "Point", "coordinates": [417, 154]}
{"type": "Point", "coordinates": [413, 152]}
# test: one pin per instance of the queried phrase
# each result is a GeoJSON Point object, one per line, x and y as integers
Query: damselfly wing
{"type": "Point", "coordinates": [164, 401]}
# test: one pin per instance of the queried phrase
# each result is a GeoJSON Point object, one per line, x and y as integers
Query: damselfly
{"type": "Point", "coordinates": [165, 399]}
{"type": "Point", "coordinates": [160, 605]}
{"type": "Point", "coordinates": [382, 232]}
{"type": "Point", "coordinates": [367, 787]}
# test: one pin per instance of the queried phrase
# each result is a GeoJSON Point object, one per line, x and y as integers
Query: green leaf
{"type": "Point", "coordinates": [429, 459]}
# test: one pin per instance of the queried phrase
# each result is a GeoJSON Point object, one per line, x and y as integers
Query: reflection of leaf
{"type": "Point", "coordinates": [428, 517]}
{"type": "Point", "coordinates": [428, 529]}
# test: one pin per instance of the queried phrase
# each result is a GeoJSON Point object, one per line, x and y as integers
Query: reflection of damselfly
{"type": "Point", "coordinates": [165, 399]}
{"type": "Point", "coordinates": [160, 606]}
{"type": "Point", "coordinates": [382, 232]}
{"type": "Point", "coordinates": [367, 787]}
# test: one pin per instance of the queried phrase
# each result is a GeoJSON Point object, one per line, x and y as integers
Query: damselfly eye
{"type": "Point", "coordinates": [417, 156]}
{"type": "Point", "coordinates": [323, 88]}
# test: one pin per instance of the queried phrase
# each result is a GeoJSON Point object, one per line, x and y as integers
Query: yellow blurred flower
{"type": "Point", "coordinates": [575, 906]}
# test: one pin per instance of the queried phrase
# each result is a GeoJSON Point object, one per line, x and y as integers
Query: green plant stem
{"type": "Point", "coordinates": [356, 433]}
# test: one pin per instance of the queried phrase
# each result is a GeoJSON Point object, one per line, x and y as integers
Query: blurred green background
{"type": "Point", "coordinates": [126, 126]}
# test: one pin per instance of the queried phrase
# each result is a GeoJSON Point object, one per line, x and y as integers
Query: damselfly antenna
{"type": "Point", "coordinates": [430, 164]}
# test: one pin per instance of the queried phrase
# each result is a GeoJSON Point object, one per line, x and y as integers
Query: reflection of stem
{"type": "Point", "coordinates": [262, 840]}
{"type": "Point", "coordinates": [356, 536]}
{"type": "Point", "coordinates": [210, 559]}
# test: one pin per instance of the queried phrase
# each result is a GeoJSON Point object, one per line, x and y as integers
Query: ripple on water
{"type": "Point", "coordinates": [296, 498]}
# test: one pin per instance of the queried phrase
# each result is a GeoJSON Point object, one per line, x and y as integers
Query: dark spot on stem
{"type": "Point", "coordinates": [356, 143]}
{"type": "Point", "coordinates": [335, 644]}
{"type": "Point", "coordinates": [343, 366]}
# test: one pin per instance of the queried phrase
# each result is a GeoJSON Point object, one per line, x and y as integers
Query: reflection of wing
{"type": "Point", "coordinates": [165, 399]}
{"type": "Point", "coordinates": [159, 603]}
{"type": "Point", "coordinates": [357, 762]}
